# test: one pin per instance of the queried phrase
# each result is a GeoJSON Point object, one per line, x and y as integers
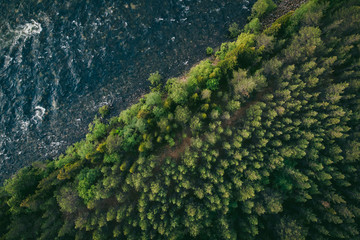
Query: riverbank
{"type": "Point", "coordinates": [71, 59]}
{"type": "Point", "coordinates": [283, 7]}
{"type": "Point", "coordinates": [258, 142]}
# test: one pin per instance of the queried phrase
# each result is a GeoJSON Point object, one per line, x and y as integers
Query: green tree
{"type": "Point", "coordinates": [182, 114]}
{"type": "Point", "coordinates": [261, 8]}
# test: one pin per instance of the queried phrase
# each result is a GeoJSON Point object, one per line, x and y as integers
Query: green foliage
{"type": "Point", "coordinates": [304, 44]}
{"type": "Point", "coordinates": [224, 49]}
{"type": "Point", "coordinates": [234, 30]}
{"type": "Point", "coordinates": [97, 130]}
{"type": "Point", "coordinates": [68, 199]}
{"type": "Point", "coordinates": [209, 51]}
{"type": "Point", "coordinates": [21, 186]}
{"type": "Point", "coordinates": [4, 213]}
{"type": "Point", "coordinates": [200, 74]}
{"type": "Point", "coordinates": [113, 142]}
{"type": "Point", "coordinates": [261, 8]}
{"type": "Point", "coordinates": [260, 143]}
{"type": "Point", "coordinates": [182, 114]}
{"type": "Point", "coordinates": [177, 90]}
{"type": "Point", "coordinates": [155, 81]}
{"type": "Point", "coordinates": [104, 110]}
{"type": "Point", "coordinates": [279, 24]}
{"type": "Point", "coordinates": [254, 26]}
{"type": "Point", "coordinates": [153, 98]}
{"type": "Point", "coordinates": [212, 84]}
{"type": "Point", "coordinates": [302, 16]}
{"type": "Point", "coordinates": [86, 188]}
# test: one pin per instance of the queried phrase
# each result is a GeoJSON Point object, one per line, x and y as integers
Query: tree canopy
{"type": "Point", "coordinates": [260, 141]}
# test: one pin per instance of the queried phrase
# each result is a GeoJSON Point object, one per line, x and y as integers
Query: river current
{"type": "Point", "coordinates": [62, 60]}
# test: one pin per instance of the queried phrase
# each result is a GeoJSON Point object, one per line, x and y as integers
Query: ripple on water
{"type": "Point", "coordinates": [60, 62]}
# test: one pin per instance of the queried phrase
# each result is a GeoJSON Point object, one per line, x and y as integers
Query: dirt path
{"type": "Point", "coordinates": [237, 115]}
{"type": "Point", "coordinates": [177, 151]}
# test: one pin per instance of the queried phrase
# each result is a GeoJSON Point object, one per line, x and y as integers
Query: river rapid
{"type": "Point", "coordinates": [62, 60]}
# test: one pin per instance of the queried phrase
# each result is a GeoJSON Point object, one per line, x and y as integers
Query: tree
{"type": "Point", "coordinates": [182, 114]}
{"type": "Point", "coordinates": [86, 188]}
{"type": "Point", "coordinates": [21, 186]}
{"type": "Point", "coordinates": [261, 8]}
{"type": "Point", "coordinates": [288, 229]}
{"type": "Point", "coordinates": [104, 111]}
{"type": "Point", "coordinates": [254, 26]}
{"type": "Point", "coordinates": [177, 90]}
{"type": "Point", "coordinates": [234, 30]}
{"type": "Point", "coordinates": [68, 199]}
{"type": "Point", "coordinates": [155, 81]}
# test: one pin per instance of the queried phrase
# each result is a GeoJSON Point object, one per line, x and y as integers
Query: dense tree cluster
{"type": "Point", "coordinates": [261, 141]}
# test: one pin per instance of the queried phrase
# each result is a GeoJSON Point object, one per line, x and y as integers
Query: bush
{"type": "Point", "coordinates": [254, 26]}
{"type": "Point", "coordinates": [209, 51]}
{"type": "Point", "coordinates": [155, 80]}
{"type": "Point", "coordinates": [262, 7]}
{"type": "Point", "coordinates": [104, 110]}
{"type": "Point", "coordinates": [234, 30]}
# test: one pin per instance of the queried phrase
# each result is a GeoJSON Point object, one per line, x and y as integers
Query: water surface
{"type": "Point", "coordinates": [62, 60]}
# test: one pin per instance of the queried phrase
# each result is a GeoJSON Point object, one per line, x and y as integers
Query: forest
{"type": "Point", "coordinates": [259, 141]}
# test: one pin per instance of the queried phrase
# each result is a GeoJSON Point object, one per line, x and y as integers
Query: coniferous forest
{"type": "Point", "coordinates": [259, 141]}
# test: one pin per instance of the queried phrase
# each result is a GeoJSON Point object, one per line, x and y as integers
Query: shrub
{"type": "Point", "coordinates": [262, 7]}
{"type": "Point", "coordinates": [104, 110]}
{"type": "Point", "coordinates": [199, 74]}
{"type": "Point", "coordinates": [68, 199]}
{"type": "Point", "coordinates": [20, 186]}
{"type": "Point", "coordinates": [303, 13]}
{"type": "Point", "coordinates": [304, 44]}
{"type": "Point", "coordinates": [155, 80]}
{"type": "Point", "coordinates": [86, 149]}
{"type": "Point", "coordinates": [234, 30]}
{"type": "Point", "coordinates": [209, 51]}
{"type": "Point", "coordinates": [254, 26]}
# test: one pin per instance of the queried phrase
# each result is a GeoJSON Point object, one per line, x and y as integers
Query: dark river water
{"type": "Point", "coordinates": [62, 60]}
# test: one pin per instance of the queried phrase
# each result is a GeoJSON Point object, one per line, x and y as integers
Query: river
{"type": "Point", "coordinates": [62, 60]}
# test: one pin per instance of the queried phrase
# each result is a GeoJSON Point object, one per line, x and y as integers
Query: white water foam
{"type": "Point", "coordinates": [24, 125]}
{"type": "Point", "coordinates": [27, 30]}
{"type": "Point", "coordinates": [39, 114]}
{"type": "Point", "coordinates": [19, 35]}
